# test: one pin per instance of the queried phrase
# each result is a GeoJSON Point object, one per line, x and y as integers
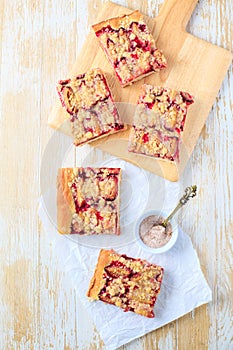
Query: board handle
{"type": "Point", "coordinates": [177, 12]}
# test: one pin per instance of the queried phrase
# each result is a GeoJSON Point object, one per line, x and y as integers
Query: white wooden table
{"type": "Point", "coordinates": [39, 307]}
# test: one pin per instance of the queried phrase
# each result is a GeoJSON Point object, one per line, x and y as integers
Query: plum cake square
{"type": "Point", "coordinates": [130, 47]}
{"type": "Point", "coordinates": [132, 284]}
{"type": "Point", "coordinates": [158, 121]}
{"type": "Point", "coordinates": [88, 200]}
{"type": "Point", "coordinates": [89, 102]}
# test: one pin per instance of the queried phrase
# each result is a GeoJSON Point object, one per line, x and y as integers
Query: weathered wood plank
{"type": "Point", "coordinates": [212, 168]}
{"type": "Point", "coordinates": [59, 317]}
{"type": "Point", "coordinates": [19, 172]}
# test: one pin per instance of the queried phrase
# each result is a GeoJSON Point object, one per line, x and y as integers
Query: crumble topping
{"type": "Point", "coordinates": [151, 143]}
{"type": "Point", "coordinates": [95, 194]}
{"type": "Point", "coordinates": [166, 108]}
{"type": "Point", "coordinates": [84, 91]}
{"type": "Point", "coordinates": [158, 122]}
{"type": "Point", "coordinates": [130, 48]}
{"type": "Point", "coordinates": [101, 119]}
{"type": "Point", "coordinates": [132, 284]}
{"type": "Point", "coordinates": [88, 100]}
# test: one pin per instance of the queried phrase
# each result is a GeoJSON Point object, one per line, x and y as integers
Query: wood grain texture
{"type": "Point", "coordinates": [39, 42]}
{"type": "Point", "coordinates": [194, 65]}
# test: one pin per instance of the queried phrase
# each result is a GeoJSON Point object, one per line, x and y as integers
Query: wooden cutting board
{"type": "Point", "coordinates": [194, 65]}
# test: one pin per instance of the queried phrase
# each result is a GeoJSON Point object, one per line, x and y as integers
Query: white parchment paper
{"type": "Point", "coordinates": [183, 289]}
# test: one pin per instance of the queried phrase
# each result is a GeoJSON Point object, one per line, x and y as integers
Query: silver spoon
{"type": "Point", "coordinates": [190, 192]}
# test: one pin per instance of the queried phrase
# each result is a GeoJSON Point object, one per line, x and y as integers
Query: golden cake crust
{"type": "Point", "coordinates": [65, 202]}
{"type": "Point", "coordinates": [96, 283]}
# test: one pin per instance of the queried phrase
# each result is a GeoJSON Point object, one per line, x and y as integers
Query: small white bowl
{"type": "Point", "coordinates": [166, 246]}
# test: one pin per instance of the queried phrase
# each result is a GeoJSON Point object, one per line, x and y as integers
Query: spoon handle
{"type": "Point", "coordinates": [190, 192]}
